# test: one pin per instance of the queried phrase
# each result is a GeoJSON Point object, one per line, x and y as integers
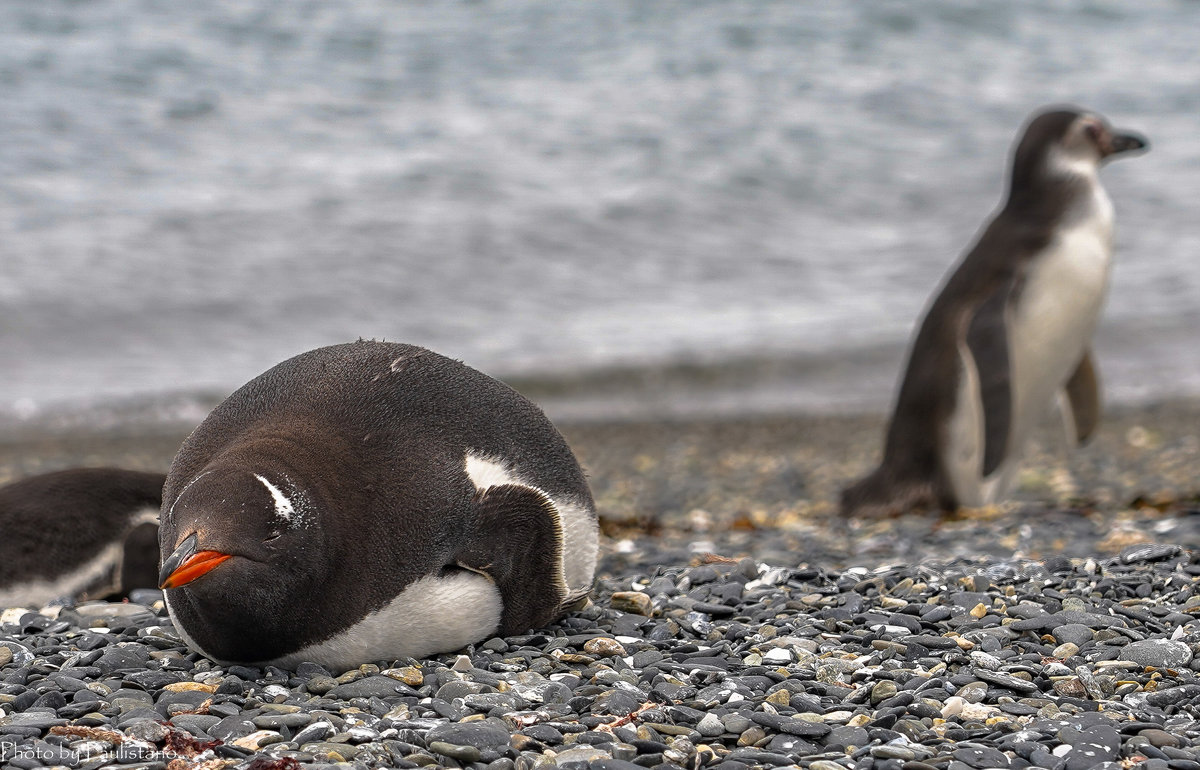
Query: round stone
{"type": "Point", "coordinates": [1065, 650]}
{"type": "Point", "coordinates": [603, 646]}
{"type": "Point", "coordinates": [1073, 633]}
{"type": "Point", "coordinates": [882, 690]}
{"type": "Point", "coordinates": [319, 685]}
{"type": "Point", "coordinates": [1070, 687]}
{"type": "Point", "coordinates": [461, 753]}
{"type": "Point", "coordinates": [1159, 738]}
{"type": "Point", "coordinates": [632, 601]}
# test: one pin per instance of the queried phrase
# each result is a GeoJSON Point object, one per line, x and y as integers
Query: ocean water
{"type": "Point", "coordinates": [631, 207]}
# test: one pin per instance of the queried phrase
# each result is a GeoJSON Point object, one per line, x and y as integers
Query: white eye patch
{"type": "Point", "coordinates": [283, 505]}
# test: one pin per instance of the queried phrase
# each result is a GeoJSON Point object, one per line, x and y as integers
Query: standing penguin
{"type": "Point", "coordinates": [86, 533]}
{"type": "Point", "coordinates": [1010, 329]}
{"type": "Point", "coordinates": [371, 501]}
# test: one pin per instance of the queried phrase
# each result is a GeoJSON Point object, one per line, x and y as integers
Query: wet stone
{"type": "Point", "coordinates": [132, 658]}
{"type": "Point", "coordinates": [1089, 747]}
{"type": "Point", "coordinates": [847, 737]}
{"type": "Point", "coordinates": [615, 702]}
{"type": "Point", "coordinates": [230, 728]}
{"type": "Point", "coordinates": [981, 757]}
{"type": "Point", "coordinates": [459, 689]}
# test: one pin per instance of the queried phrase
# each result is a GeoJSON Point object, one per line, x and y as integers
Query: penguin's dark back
{"type": "Point", "coordinates": [376, 390]}
{"type": "Point", "coordinates": [72, 514]}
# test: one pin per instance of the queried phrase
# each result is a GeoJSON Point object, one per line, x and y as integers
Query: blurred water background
{"type": "Point", "coordinates": [624, 208]}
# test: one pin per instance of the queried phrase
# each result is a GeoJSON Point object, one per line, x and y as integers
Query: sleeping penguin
{"type": "Point", "coordinates": [371, 501]}
{"type": "Point", "coordinates": [84, 533]}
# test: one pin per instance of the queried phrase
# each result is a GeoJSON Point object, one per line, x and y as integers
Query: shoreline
{"type": "Point", "coordinates": [766, 486]}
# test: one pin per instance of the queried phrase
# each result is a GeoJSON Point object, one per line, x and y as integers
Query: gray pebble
{"type": "Point", "coordinates": [1157, 653]}
{"type": "Point", "coordinates": [1073, 633]}
{"type": "Point", "coordinates": [710, 726]}
{"type": "Point", "coordinates": [370, 687]}
{"type": "Point", "coordinates": [488, 733]}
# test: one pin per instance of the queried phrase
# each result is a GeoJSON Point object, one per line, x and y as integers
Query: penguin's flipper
{"type": "Point", "coordinates": [1082, 393]}
{"type": "Point", "coordinates": [517, 541]}
{"type": "Point", "coordinates": [987, 339]}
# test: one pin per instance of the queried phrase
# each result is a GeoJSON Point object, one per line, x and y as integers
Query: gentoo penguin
{"type": "Point", "coordinates": [1010, 330]}
{"type": "Point", "coordinates": [371, 501]}
{"type": "Point", "coordinates": [85, 533]}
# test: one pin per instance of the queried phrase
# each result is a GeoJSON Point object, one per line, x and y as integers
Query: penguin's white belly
{"type": "Point", "coordinates": [434, 614]}
{"type": "Point", "coordinates": [1050, 328]}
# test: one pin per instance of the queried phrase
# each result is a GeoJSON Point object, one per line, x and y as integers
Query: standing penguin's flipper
{"type": "Point", "coordinates": [517, 541]}
{"type": "Point", "coordinates": [987, 338]}
{"type": "Point", "coordinates": [1082, 393]}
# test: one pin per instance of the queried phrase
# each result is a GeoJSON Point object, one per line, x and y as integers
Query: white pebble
{"type": "Point", "coordinates": [777, 656]}
{"type": "Point", "coordinates": [954, 706]}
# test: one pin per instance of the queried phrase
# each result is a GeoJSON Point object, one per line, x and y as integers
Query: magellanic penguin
{"type": "Point", "coordinates": [371, 501]}
{"type": "Point", "coordinates": [83, 533]}
{"type": "Point", "coordinates": [1010, 330]}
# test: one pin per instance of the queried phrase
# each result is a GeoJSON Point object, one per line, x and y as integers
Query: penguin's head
{"type": "Point", "coordinates": [237, 546]}
{"type": "Point", "coordinates": [1069, 141]}
{"type": "Point", "coordinates": [1089, 136]}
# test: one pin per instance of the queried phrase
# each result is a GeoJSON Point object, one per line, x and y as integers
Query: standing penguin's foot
{"type": "Point", "coordinates": [518, 543]}
{"type": "Point", "coordinates": [877, 497]}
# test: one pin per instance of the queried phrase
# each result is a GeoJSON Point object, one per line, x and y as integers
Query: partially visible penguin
{"type": "Point", "coordinates": [1010, 330]}
{"type": "Point", "coordinates": [372, 501]}
{"type": "Point", "coordinates": [86, 533]}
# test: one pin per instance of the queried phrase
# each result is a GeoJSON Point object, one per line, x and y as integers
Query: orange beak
{"type": "Point", "coordinates": [186, 564]}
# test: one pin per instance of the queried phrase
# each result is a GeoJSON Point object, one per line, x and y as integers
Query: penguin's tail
{"type": "Point", "coordinates": [881, 494]}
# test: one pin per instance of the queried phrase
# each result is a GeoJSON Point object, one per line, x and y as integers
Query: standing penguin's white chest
{"type": "Point", "coordinates": [1052, 323]}
{"type": "Point", "coordinates": [1050, 326]}
{"type": "Point", "coordinates": [1058, 307]}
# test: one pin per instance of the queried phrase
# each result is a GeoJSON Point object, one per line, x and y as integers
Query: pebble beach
{"type": "Point", "coordinates": [737, 622]}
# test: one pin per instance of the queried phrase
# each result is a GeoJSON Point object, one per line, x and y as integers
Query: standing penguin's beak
{"type": "Point", "coordinates": [186, 563]}
{"type": "Point", "coordinates": [1126, 142]}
